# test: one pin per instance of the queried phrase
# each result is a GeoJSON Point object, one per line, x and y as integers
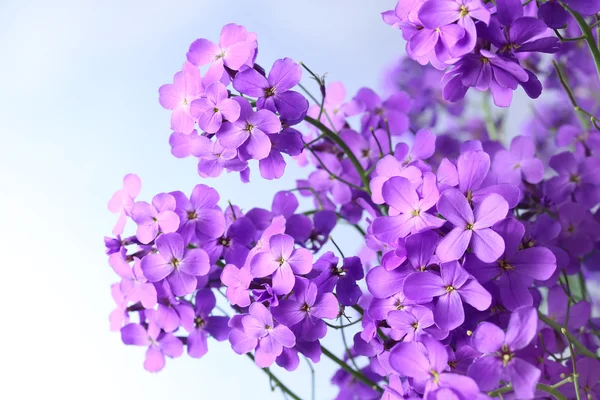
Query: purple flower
{"type": "Point", "coordinates": [237, 280]}
{"type": "Point", "coordinates": [322, 181]}
{"type": "Point", "coordinates": [366, 149]}
{"type": "Point", "coordinates": [335, 108]}
{"type": "Point", "coordinates": [213, 158]}
{"type": "Point", "coordinates": [420, 249]}
{"type": "Point", "coordinates": [377, 112]}
{"type": "Point", "coordinates": [471, 226]}
{"type": "Point", "coordinates": [442, 13]}
{"type": "Point", "coordinates": [274, 92]}
{"type": "Point", "coordinates": [289, 141]}
{"type": "Point", "coordinates": [272, 226]}
{"type": "Point", "coordinates": [484, 71]}
{"type": "Point", "coordinates": [171, 312]}
{"type": "Point", "coordinates": [160, 344]}
{"type": "Point", "coordinates": [304, 310]}
{"type": "Point", "coordinates": [499, 360]}
{"type": "Point", "coordinates": [204, 324]}
{"type": "Point", "coordinates": [516, 268]}
{"type": "Point", "coordinates": [579, 230]}
{"type": "Point", "coordinates": [215, 106]}
{"type": "Point", "coordinates": [200, 216]}
{"type": "Point", "coordinates": [586, 142]}
{"type": "Point", "coordinates": [519, 34]}
{"type": "Point", "coordinates": [383, 284]}
{"type": "Point", "coordinates": [411, 209]}
{"type": "Point", "coordinates": [579, 179]}
{"type": "Point", "coordinates": [559, 307]}
{"type": "Point", "coordinates": [585, 7]}
{"type": "Point", "coordinates": [119, 316]}
{"type": "Point", "coordinates": [134, 285]}
{"type": "Point", "coordinates": [178, 97]}
{"type": "Point", "coordinates": [588, 379]}
{"type": "Point", "coordinates": [473, 169]}
{"type": "Point", "coordinates": [380, 308]}
{"type": "Point", "coordinates": [155, 217]}
{"type": "Point", "coordinates": [182, 145]}
{"type": "Point", "coordinates": [409, 325]}
{"type": "Point", "coordinates": [178, 265]}
{"type": "Point", "coordinates": [553, 14]}
{"type": "Point", "coordinates": [233, 246]}
{"type": "Point", "coordinates": [388, 167]}
{"type": "Point", "coordinates": [250, 130]}
{"type": "Point", "coordinates": [344, 278]}
{"type": "Point", "coordinates": [519, 162]}
{"type": "Point", "coordinates": [236, 47]}
{"type": "Point", "coordinates": [283, 261]}
{"type": "Point", "coordinates": [408, 359]}
{"type": "Point", "coordinates": [423, 147]}
{"type": "Point", "coordinates": [435, 42]}
{"type": "Point", "coordinates": [258, 325]}
{"type": "Point", "coordinates": [122, 201]}
{"type": "Point", "coordinates": [451, 288]}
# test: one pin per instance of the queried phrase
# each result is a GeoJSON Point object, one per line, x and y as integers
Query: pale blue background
{"type": "Point", "coordinates": [79, 109]}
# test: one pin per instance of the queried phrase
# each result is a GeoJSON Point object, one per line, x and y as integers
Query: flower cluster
{"type": "Point", "coordinates": [234, 129]}
{"type": "Point", "coordinates": [477, 254]}
{"type": "Point", "coordinates": [491, 46]}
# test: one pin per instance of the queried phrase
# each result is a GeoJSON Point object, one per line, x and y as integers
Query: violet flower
{"type": "Point", "coordinates": [178, 97]}
{"type": "Point", "coordinates": [273, 92]}
{"type": "Point", "coordinates": [499, 361]}
{"type": "Point", "coordinates": [160, 344]}
{"type": "Point", "coordinates": [450, 289]}
{"type": "Point", "coordinates": [155, 217]}
{"type": "Point", "coordinates": [411, 209]}
{"type": "Point", "coordinates": [282, 261]}
{"type": "Point", "coordinates": [304, 310]}
{"type": "Point", "coordinates": [516, 267]}
{"type": "Point", "coordinates": [205, 324]}
{"type": "Point", "coordinates": [236, 47]}
{"type": "Point", "coordinates": [215, 106]}
{"type": "Point", "coordinates": [178, 265]}
{"type": "Point", "coordinates": [471, 226]}
{"type": "Point", "coordinates": [250, 130]}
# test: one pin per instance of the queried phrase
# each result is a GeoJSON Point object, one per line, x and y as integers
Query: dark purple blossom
{"type": "Point", "coordinates": [273, 92]}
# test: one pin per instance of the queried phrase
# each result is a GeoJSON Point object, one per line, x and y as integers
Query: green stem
{"type": "Point", "coordinates": [356, 374]}
{"type": "Point", "coordinates": [550, 390]}
{"type": "Point", "coordinates": [343, 326]}
{"type": "Point", "coordinates": [389, 135]}
{"type": "Point", "coordinates": [312, 381]}
{"type": "Point", "coordinates": [573, 362]}
{"type": "Point", "coordinates": [336, 139]}
{"type": "Point", "coordinates": [589, 36]}
{"type": "Point", "coordinates": [489, 120]}
{"type": "Point", "coordinates": [568, 39]}
{"type": "Point", "coordinates": [582, 285]}
{"type": "Point", "coordinates": [277, 382]}
{"type": "Point", "coordinates": [540, 386]}
{"type": "Point", "coordinates": [558, 328]}
{"type": "Point", "coordinates": [334, 176]}
{"type": "Point", "coordinates": [340, 217]}
{"type": "Point", "coordinates": [576, 107]}
{"type": "Point", "coordinates": [348, 352]}
{"type": "Point", "coordinates": [315, 140]}
{"type": "Point", "coordinates": [337, 247]}
{"type": "Point", "coordinates": [377, 141]}
{"type": "Point", "coordinates": [568, 379]}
